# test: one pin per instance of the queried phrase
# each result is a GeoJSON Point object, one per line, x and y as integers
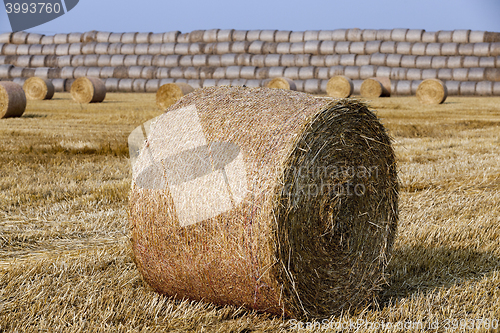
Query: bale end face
{"type": "Point", "coordinates": [38, 89]}
{"type": "Point", "coordinates": [12, 100]}
{"type": "Point", "coordinates": [340, 87]}
{"type": "Point", "coordinates": [376, 87]}
{"type": "Point", "coordinates": [282, 83]}
{"type": "Point", "coordinates": [270, 199]}
{"type": "Point", "coordinates": [88, 90]}
{"type": "Point", "coordinates": [168, 94]}
{"type": "Point", "coordinates": [432, 91]}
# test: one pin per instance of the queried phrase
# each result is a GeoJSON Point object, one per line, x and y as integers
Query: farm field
{"type": "Point", "coordinates": [65, 259]}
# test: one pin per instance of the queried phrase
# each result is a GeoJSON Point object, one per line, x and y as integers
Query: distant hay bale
{"type": "Point", "coordinates": [240, 197]}
{"type": "Point", "coordinates": [12, 100]}
{"type": "Point", "coordinates": [170, 93]}
{"type": "Point", "coordinates": [376, 87]}
{"type": "Point", "coordinates": [88, 90]}
{"type": "Point", "coordinates": [432, 91]}
{"type": "Point", "coordinates": [39, 89]}
{"type": "Point", "coordinates": [340, 87]}
{"type": "Point", "coordinates": [59, 84]}
{"type": "Point", "coordinates": [282, 83]}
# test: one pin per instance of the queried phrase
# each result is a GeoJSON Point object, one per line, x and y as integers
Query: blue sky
{"type": "Point", "coordinates": [187, 15]}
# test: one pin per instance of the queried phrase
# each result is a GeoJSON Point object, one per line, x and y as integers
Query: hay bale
{"type": "Point", "coordinates": [170, 93]}
{"type": "Point", "coordinates": [5, 37]}
{"type": "Point", "coordinates": [36, 88]}
{"type": "Point", "coordinates": [35, 49]}
{"type": "Point", "coordinates": [90, 60]}
{"type": "Point", "coordinates": [376, 87]}
{"type": "Point", "coordinates": [99, 48]}
{"type": "Point", "coordinates": [16, 72]}
{"type": "Point", "coordinates": [326, 47]}
{"type": "Point", "coordinates": [467, 88]}
{"type": "Point", "coordinates": [487, 62]}
{"type": "Point", "coordinates": [388, 47]}
{"type": "Point", "coordinates": [456, 62]}
{"type": "Point", "coordinates": [94, 72]}
{"type": "Point", "coordinates": [9, 49]}
{"type": "Point", "coordinates": [429, 74]}
{"type": "Point", "coordinates": [393, 60]}
{"type": "Point", "coordinates": [74, 37]}
{"type": "Point", "coordinates": [128, 49]}
{"type": "Point", "coordinates": [409, 61]}
{"type": "Point", "coordinates": [247, 72]}
{"type": "Point", "coordinates": [495, 49]}
{"type": "Point", "coordinates": [239, 35]}
{"type": "Point", "coordinates": [445, 74]}
{"type": "Point", "coordinates": [312, 86]}
{"type": "Point", "coordinates": [19, 37]}
{"type": "Point", "coordinates": [369, 35]}
{"type": "Point", "coordinates": [281, 83]}
{"type": "Point", "coordinates": [67, 72]}
{"type": "Point", "coordinates": [130, 60]}
{"type": "Point", "coordinates": [282, 36]}
{"type": "Point", "coordinates": [466, 49]}
{"type": "Point", "coordinates": [367, 71]}
{"type": "Point", "coordinates": [481, 49]}
{"type": "Point", "coordinates": [492, 74]}
{"type": "Point", "coordinates": [171, 36]}
{"type": "Point", "coordinates": [47, 40]}
{"type": "Point", "coordinates": [111, 84]}
{"type": "Point", "coordinates": [59, 84]}
{"type": "Point", "coordinates": [340, 87]}
{"type": "Point", "coordinates": [403, 88]}
{"type": "Point", "coordinates": [145, 60]}
{"type": "Point", "coordinates": [143, 37]}
{"type": "Point", "coordinates": [80, 71]}
{"type": "Point", "coordinates": [378, 59]}
{"type": "Point", "coordinates": [102, 36]}
{"type": "Point", "coordinates": [193, 73]}
{"type": "Point", "coordinates": [152, 85]}
{"type": "Point", "coordinates": [283, 48]}
{"type": "Point", "coordinates": [414, 86]}
{"type": "Point", "coordinates": [460, 36]}
{"type": "Point", "coordinates": [239, 226]}
{"type": "Point", "coordinates": [355, 35]}
{"type": "Point", "coordinates": [439, 62]}
{"type": "Point", "coordinates": [449, 49]}
{"type": "Point", "coordinates": [240, 47]}
{"type": "Point", "coordinates": [484, 88]}
{"type": "Point", "coordinates": [496, 88]}
{"type": "Point", "coordinates": [129, 38]}
{"type": "Point", "coordinates": [75, 48]}
{"type": "Point", "coordinates": [141, 49]}
{"type": "Point", "coordinates": [404, 48]}
{"type": "Point", "coordinates": [476, 74]}
{"type": "Point", "coordinates": [297, 36]}
{"type": "Point", "coordinates": [336, 70]}
{"type": "Point", "coordinates": [460, 74]}
{"type": "Point", "coordinates": [414, 35]}
{"type": "Point", "coordinates": [342, 47]}
{"type": "Point", "coordinates": [27, 73]}
{"type": "Point", "coordinates": [339, 35]}
{"type": "Point", "coordinates": [125, 85]}
{"type": "Point", "coordinates": [358, 48]}
{"type": "Point", "coordinates": [115, 48]}
{"type": "Point", "coordinates": [67, 84]}
{"type": "Point", "coordinates": [21, 50]}
{"type": "Point", "coordinates": [62, 38]}
{"type": "Point", "coordinates": [42, 72]}
{"type": "Point", "coordinates": [225, 35]}
{"type": "Point", "coordinates": [348, 60]}
{"type": "Point", "coordinates": [12, 100]}
{"type": "Point", "coordinates": [423, 62]}
{"type": "Point", "coordinates": [139, 85]}
{"type": "Point", "coordinates": [163, 73]}
{"type": "Point", "coordinates": [432, 91]}
{"type": "Point", "coordinates": [384, 34]}
{"type": "Point", "coordinates": [159, 60]}
{"type": "Point", "coordinates": [88, 90]}
{"type": "Point", "coordinates": [433, 49]}
{"type": "Point", "coordinates": [419, 49]}
{"type": "Point", "coordinates": [372, 47]}
{"type": "Point", "coordinates": [399, 35]}
{"type": "Point", "coordinates": [115, 37]}
{"type": "Point", "coordinates": [444, 36]}
{"type": "Point", "coordinates": [106, 72]}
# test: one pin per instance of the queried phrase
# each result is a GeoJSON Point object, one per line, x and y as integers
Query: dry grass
{"type": "Point", "coordinates": [65, 263]}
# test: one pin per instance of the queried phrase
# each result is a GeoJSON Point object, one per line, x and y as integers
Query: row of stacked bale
{"type": "Point", "coordinates": [465, 60]}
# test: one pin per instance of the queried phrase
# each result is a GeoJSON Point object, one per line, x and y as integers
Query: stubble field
{"type": "Point", "coordinates": [65, 259]}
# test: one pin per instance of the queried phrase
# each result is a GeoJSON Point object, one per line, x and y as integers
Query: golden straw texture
{"type": "Point", "coordinates": [282, 83]}
{"type": "Point", "coordinates": [88, 90]}
{"type": "Point", "coordinates": [12, 100]}
{"type": "Point", "coordinates": [37, 88]}
{"type": "Point", "coordinates": [170, 93]}
{"type": "Point", "coordinates": [376, 87]}
{"type": "Point", "coordinates": [340, 87]}
{"type": "Point", "coordinates": [432, 91]}
{"type": "Point", "coordinates": [269, 199]}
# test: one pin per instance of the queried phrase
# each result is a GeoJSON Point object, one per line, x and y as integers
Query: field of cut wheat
{"type": "Point", "coordinates": [65, 258]}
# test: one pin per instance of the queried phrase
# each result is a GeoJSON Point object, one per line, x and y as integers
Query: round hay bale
{"type": "Point", "coordinates": [292, 73]}
{"type": "Point", "coordinates": [159, 60]}
{"type": "Point", "coordinates": [393, 60]}
{"type": "Point", "coordinates": [267, 35]}
{"type": "Point", "coordinates": [19, 80]}
{"type": "Point", "coordinates": [240, 35]}
{"type": "Point", "coordinates": [139, 85]}
{"type": "Point", "coordinates": [460, 36]}
{"type": "Point", "coordinates": [326, 47]}
{"type": "Point", "coordinates": [152, 85]}
{"type": "Point", "coordinates": [145, 60]}
{"type": "Point", "coordinates": [42, 72]}
{"type": "Point", "coordinates": [492, 74]}
{"type": "Point", "coordinates": [336, 70]}
{"type": "Point", "coordinates": [74, 37]}
{"type": "Point", "coordinates": [194, 48]}
{"type": "Point", "coordinates": [460, 74]}
{"type": "Point", "coordinates": [115, 48]}
{"type": "Point", "coordinates": [312, 86]}
{"type": "Point", "coordinates": [128, 49]}
{"type": "Point", "coordinates": [367, 71]}
{"type": "Point", "coordinates": [445, 74]}
{"type": "Point", "coordinates": [419, 49]}
{"type": "Point", "coordinates": [240, 47]}
{"type": "Point", "coordinates": [141, 49]}
{"type": "Point", "coordinates": [339, 35]}
{"type": "Point", "coordinates": [388, 47]}
{"type": "Point", "coordinates": [62, 38]}
{"type": "Point", "coordinates": [316, 60]}
{"type": "Point", "coordinates": [186, 61]}
{"type": "Point", "coordinates": [227, 60]}
{"type": "Point", "coordinates": [111, 84]}
{"type": "Point", "coordinates": [207, 72]}
{"type": "Point", "coordinates": [355, 35]}
{"type": "Point", "coordinates": [197, 84]}
{"type": "Point", "coordinates": [414, 35]}
{"type": "Point", "coordinates": [432, 91]}
{"type": "Point", "coordinates": [399, 35]}
{"type": "Point", "coordinates": [300, 85]}
{"type": "Point", "coordinates": [423, 62]}
{"type": "Point", "coordinates": [433, 49]}
{"type": "Point", "coordinates": [222, 48]}
{"type": "Point", "coordinates": [210, 36]}
{"type": "Point", "coordinates": [283, 48]}
{"type": "Point", "coordinates": [67, 72]}
{"type": "Point", "coordinates": [27, 73]}
{"type": "Point", "coordinates": [444, 36]}
{"type": "Point", "coordinates": [129, 38]}
{"type": "Point", "coordinates": [372, 47]}
{"type": "Point", "coordinates": [253, 35]}
{"type": "Point", "coordinates": [47, 40]}
{"type": "Point", "coordinates": [163, 73]}
{"type": "Point", "coordinates": [262, 73]}
{"type": "Point", "coordinates": [171, 36]}
{"type": "Point", "coordinates": [348, 60]}
{"type": "Point", "coordinates": [16, 72]}
{"type": "Point", "coordinates": [455, 62]}
{"type": "Point", "coordinates": [37, 89]}
{"type": "Point", "coordinates": [248, 72]}
{"type": "Point", "coordinates": [376, 87]}
{"type": "Point", "coordinates": [156, 38]}
{"type": "Point", "coordinates": [282, 36]}
{"type": "Point", "coordinates": [168, 94]}
{"type": "Point", "coordinates": [466, 49]}
{"type": "Point", "coordinates": [75, 48]}
{"type": "Point", "coordinates": [403, 88]}
{"type": "Point", "coordinates": [190, 231]}
{"type": "Point", "coordinates": [90, 60]}
{"type": "Point", "coordinates": [23, 61]}
{"type": "Point", "coordinates": [117, 60]}
{"type": "Point", "coordinates": [59, 84]}
{"type": "Point", "coordinates": [352, 72]}
{"type": "Point", "coordinates": [384, 34]}
{"type": "Point", "coordinates": [272, 60]}
{"type": "Point", "coordinates": [35, 49]}
{"type": "Point", "coordinates": [429, 74]}
{"type": "Point", "coordinates": [409, 61]}
{"type": "Point", "coordinates": [80, 72]}
{"type": "Point", "coordinates": [258, 60]}
{"type": "Point", "coordinates": [476, 74]}
{"type": "Point", "coordinates": [404, 48]}
{"type": "Point", "coordinates": [5, 37]}
{"type": "Point", "coordinates": [172, 60]}
{"type": "Point", "coordinates": [467, 88]}
{"type": "Point", "coordinates": [487, 62]}
{"type": "Point", "coordinates": [277, 71]}
{"type": "Point", "coordinates": [495, 49]}
{"type": "Point", "coordinates": [143, 37]}
{"type": "Point", "coordinates": [496, 88]}
{"type": "Point", "coordinates": [225, 35]}
{"type": "Point", "coordinates": [106, 72]}
{"type": "Point", "coordinates": [115, 37]}
{"type": "Point", "coordinates": [181, 48]}
{"type": "Point", "coordinates": [414, 86]}
{"type": "Point", "coordinates": [209, 83]}
{"type": "Point", "coordinates": [281, 83]}
{"type": "Point", "coordinates": [177, 72]}
{"type": "Point", "coordinates": [484, 88]}
{"type": "Point", "coordinates": [342, 47]}
{"type": "Point", "coordinates": [88, 90]}
{"type": "Point", "coordinates": [19, 37]}
{"type": "Point", "coordinates": [67, 84]}
{"type": "Point", "coordinates": [378, 59]}
{"type": "Point", "coordinates": [491, 37]}
{"type": "Point", "coordinates": [358, 48]}
{"type": "Point", "coordinates": [101, 36]}
{"type": "Point", "coordinates": [125, 85]}
{"type": "Point", "coordinates": [310, 35]}
{"type": "Point", "coordinates": [287, 60]}
{"type": "Point", "coordinates": [10, 49]}
{"type": "Point", "coordinates": [269, 48]}
{"type": "Point", "coordinates": [449, 49]}
{"type": "Point", "coordinates": [94, 72]}
{"type": "Point", "coordinates": [312, 47]}
{"type": "Point", "coordinates": [339, 87]}
{"type": "Point", "coordinates": [256, 47]}
{"type": "Point", "coordinates": [439, 62]}
{"type": "Point", "coordinates": [12, 100]}
{"type": "Point", "coordinates": [130, 60]}
{"type": "Point", "coordinates": [99, 48]}
{"type": "Point", "coordinates": [21, 50]}
{"type": "Point", "coordinates": [369, 35]}
{"type": "Point", "coordinates": [481, 49]}
{"type": "Point", "coordinates": [191, 73]}
{"type": "Point", "coordinates": [296, 36]}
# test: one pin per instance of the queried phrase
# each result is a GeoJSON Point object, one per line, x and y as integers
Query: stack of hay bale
{"type": "Point", "coordinates": [468, 62]}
